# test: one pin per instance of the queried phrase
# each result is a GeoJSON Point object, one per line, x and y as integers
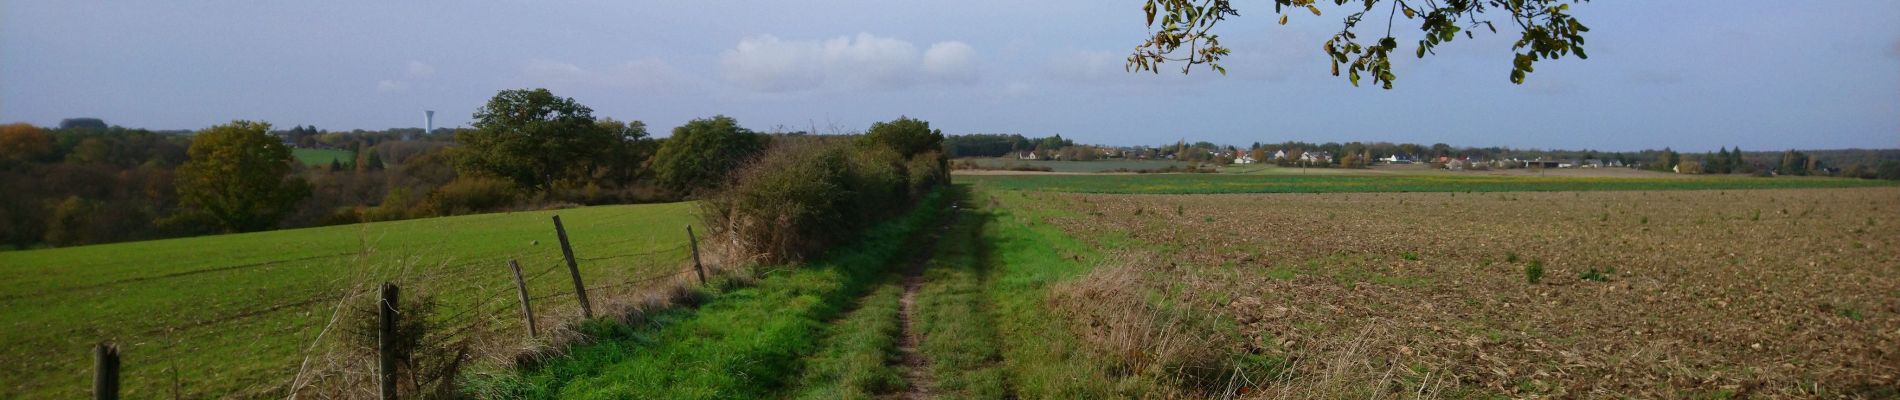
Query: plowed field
{"type": "Point", "coordinates": [1703, 294]}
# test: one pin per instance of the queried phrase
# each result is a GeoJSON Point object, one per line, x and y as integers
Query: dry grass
{"type": "Point", "coordinates": [1779, 293]}
{"type": "Point", "coordinates": [1109, 309]}
{"type": "Point", "coordinates": [342, 359]}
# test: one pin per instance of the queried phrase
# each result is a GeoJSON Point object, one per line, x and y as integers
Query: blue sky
{"type": "Point", "coordinates": [1690, 74]}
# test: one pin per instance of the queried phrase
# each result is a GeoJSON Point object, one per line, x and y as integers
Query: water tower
{"type": "Point", "coordinates": [428, 122]}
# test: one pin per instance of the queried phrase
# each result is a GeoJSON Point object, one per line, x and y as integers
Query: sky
{"type": "Point", "coordinates": [1689, 74]}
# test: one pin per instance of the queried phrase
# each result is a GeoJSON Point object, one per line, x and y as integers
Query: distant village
{"type": "Point", "coordinates": [1361, 155]}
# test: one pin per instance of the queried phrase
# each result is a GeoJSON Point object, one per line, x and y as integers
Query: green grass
{"type": "Point", "coordinates": [322, 157]}
{"type": "Point", "coordinates": [858, 357]}
{"type": "Point", "coordinates": [1041, 358]}
{"type": "Point", "coordinates": [1227, 183]}
{"type": "Point", "coordinates": [745, 343]}
{"type": "Point", "coordinates": [953, 317]}
{"type": "Point", "coordinates": [1078, 166]}
{"type": "Point", "coordinates": [234, 312]}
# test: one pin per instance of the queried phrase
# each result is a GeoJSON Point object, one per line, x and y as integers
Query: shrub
{"type": "Point", "coordinates": [701, 152]}
{"type": "Point", "coordinates": [908, 136]}
{"type": "Point", "coordinates": [802, 197]}
{"type": "Point", "coordinates": [428, 357]}
{"type": "Point", "coordinates": [1409, 256]}
{"type": "Point", "coordinates": [1534, 272]}
{"type": "Point", "coordinates": [927, 171]}
{"type": "Point", "coordinates": [470, 195]}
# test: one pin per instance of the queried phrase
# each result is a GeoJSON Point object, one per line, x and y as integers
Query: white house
{"type": "Point", "coordinates": [1397, 159]}
{"type": "Point", "coordinates": [1316, 157]}
{"type": "Point", "coordinates": [1279, 154]}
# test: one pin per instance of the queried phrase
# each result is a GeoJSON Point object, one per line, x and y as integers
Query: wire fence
{"type": "Point", "coordinates": [475, 299]}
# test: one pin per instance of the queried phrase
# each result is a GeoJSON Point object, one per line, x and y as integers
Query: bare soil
{"type": "Point", "coordinates": [1775, 293]}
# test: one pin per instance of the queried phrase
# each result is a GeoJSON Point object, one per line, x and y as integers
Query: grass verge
{"type": "Point", "coordinates": [745, 343]}
{"type": "Point", "coordinates": [858, 356]}
{"type": "Point", "coordinates": [1042, 357]}
{"type": "Point", "coordinates": [954, 320]}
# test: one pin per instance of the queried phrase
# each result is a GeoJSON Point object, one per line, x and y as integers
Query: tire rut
{"type": "Point", "coordinates": [917, 378]}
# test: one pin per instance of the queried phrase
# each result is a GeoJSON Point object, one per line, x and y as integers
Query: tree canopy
{"type": "Point", "coordinates": [82, 123]}
{"type": "Point", "coordinates": [23, 142]}
{"type": "Point", "coordinates": [1546, 30]}
{"type": "Point", "coordinates": [909, 136]}
{"type": "Point", "coordinates": [237, 176]}
{"type": "Point", "coordinates": [533, 138]}
{"type": "Point", "coordinates": [701, 152]}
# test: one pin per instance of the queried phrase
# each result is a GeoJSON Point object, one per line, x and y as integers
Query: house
{"type": "Point", "coordinates": [1398, 159]}
{"type": "Point", "coordinates": [1457, 164]}
{"type": "Point", "coordinates": [1027, 155]}
{"type": "Point", "coordinates": [1316, 157]}
{"type": "Point", "coordinates": [1242, 157]}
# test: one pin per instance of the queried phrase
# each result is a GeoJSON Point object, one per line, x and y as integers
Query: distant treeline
{"type": "Point", "coordinates": [998, 145]}
{"type": "Point", "coordinates": [86, 182]}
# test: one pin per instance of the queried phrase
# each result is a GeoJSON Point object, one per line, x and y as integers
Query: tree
{"type": "Point", "coordinates": [702, 152]}
{"type": "Point", "coordinates": [237, 176]}
{"type": "Point", "coordinates": [627, 158]}
{"type": "Point", "coordinates": [1546, 31]}
{"type": "Point", "coordinates": [533, 138]}
{"type": "Point", "coordinates": [24, 142]}
{"type": "Point", "coordinates": [82, 123]}
{"type": "Point", "coordinates": [909, 136]}
{"type": "Point", "coordinates": [371, 161]}
{"type": "Point", "coordinates": [1889, 170]}
{"type": "Point", "coordinates": [1793, 163]}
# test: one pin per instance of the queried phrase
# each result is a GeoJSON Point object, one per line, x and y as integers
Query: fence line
{"type": "Point", "coordinates": [473, 315]}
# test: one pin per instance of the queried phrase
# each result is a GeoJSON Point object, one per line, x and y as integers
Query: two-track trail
{"type": "Point", "coordinates": [916, 366]}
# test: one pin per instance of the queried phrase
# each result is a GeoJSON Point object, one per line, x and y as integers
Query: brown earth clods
{"type": "Point", "coordinates": [1775, 293]}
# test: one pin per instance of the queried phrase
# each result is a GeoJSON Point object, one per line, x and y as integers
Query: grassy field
{"type": "Point", "coordinates": [322, 157]}
{"type": "Point", "coordinates": [233, 313]}
{"type": "Point", "coordinates": [1656, 294]}
{"type": "Point", "coordinates": [1430, 182]}
{"type": "Point", "coordinates": [744, 343]}
{"type": "Point", "coordinates": [1077, 166]}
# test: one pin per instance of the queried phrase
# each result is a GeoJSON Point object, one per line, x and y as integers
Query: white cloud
{"type": "Point", "coordinates": [766, 63]}
{"type": "Point", "coordinates": [420, 70]}
{"type": "Point", "coordinates": [951, 60]}
{"type": "Point", "coordinates": [646, 74]}
{"type": "Point", "coordinates": [391, 86]}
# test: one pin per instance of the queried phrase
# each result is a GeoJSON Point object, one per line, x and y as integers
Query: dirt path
{"type": "Point", "coordinates": [917, 367]}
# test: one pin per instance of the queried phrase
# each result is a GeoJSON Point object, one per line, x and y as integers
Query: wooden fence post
{"type": "Point", "coordinates": [587, 310]}
{"type": "Point", "coordinates": [521, 286]}
{"type": "Point", "coordinates": [386, 341]}
{"type": "Point", "coordinates": [105, 376]}
{"type": "Point", "coordinates": [694, 241]}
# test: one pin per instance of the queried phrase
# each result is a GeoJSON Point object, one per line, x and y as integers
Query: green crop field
{"type": "Point", "coordinates": [232, 314]}
{"type": "Point", "coordinates": [322, 157]}
{"type": "Point", "coordinates": [1225, 183]}
{"type": "Point", "coordinates": [1078, 166]}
